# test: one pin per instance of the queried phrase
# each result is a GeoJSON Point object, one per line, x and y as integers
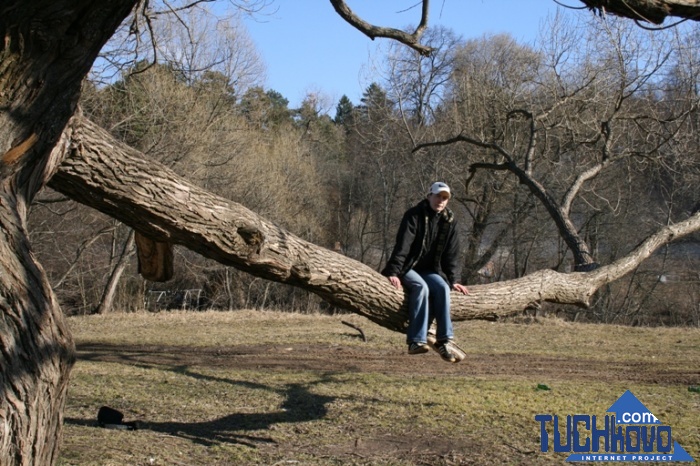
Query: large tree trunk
{"type": "Point", "coordinates": [119, 181]}
{"type": "Point", "coordinates": [36, 351]}
{"type": "Point", "coordinates": [46, 50]}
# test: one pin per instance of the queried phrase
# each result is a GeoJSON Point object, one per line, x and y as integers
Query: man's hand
{"type": "Point", "coordinates": [396, 281]}
{"type": "Point", "coordinates": [461, 288]}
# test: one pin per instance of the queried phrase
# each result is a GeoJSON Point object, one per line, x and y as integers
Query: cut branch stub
{"type": "Point", "coordinates": [155, 258]}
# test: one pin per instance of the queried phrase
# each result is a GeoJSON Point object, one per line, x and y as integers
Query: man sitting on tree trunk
{"type": "Point", "coordinates": [426, 261]}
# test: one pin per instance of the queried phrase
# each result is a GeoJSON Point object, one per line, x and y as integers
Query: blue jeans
{"type": "Point", "coordinates": [428, 299]}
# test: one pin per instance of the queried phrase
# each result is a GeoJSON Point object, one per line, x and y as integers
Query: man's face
{"type": "Point", "coordinates": [438, 201]}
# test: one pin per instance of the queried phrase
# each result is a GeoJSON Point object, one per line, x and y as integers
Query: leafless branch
{"type": "Point", "coordinates": [372, 31]}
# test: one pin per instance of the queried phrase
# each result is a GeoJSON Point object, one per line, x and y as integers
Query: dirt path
{"type": "Point", "coordinates": [358, 359]}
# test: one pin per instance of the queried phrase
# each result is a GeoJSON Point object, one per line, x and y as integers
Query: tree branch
{"type": "Point", "coordinates": [107, 175]}
{"type": "Point", "coordinates": [372, 31]}
{"type": "Point", "coordinates": [470, 140]}
{"type": "Point", "coordinates": [651, 11]}
{"type": "Point", "coordinates": [567, 230]}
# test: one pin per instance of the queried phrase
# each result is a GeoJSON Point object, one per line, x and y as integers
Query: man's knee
{"type": "Point", "coordinates": [441, 289]}
{"type": "Point", "coordinates": [417, 288]}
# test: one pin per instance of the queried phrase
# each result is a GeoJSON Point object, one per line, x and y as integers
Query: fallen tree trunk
{"type": "Point", "coordinates": [113, 178]}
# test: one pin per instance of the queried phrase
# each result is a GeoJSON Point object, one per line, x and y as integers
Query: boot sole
{"type": "Point", "coordinates": [458, 352]}
{"type": "Point", "coordinates": [422, 350]}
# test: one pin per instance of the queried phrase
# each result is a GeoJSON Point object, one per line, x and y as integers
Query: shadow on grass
{"type": "Point", "coordinates": [300, 405]}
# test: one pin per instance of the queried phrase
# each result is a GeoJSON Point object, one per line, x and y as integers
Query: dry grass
{"type": "Point", "coordinates": [274, 388]}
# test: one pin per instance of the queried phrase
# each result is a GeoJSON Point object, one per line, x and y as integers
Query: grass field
{"type": "Point", "coordinates": [253, 387]}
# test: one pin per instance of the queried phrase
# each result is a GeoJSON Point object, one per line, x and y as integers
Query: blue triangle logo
{"type": "Point", "coordinates": [629, 410]}
{"type": "Point", "coordinates": [679, 454]}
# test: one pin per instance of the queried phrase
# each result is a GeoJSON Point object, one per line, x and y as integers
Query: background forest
{"type": "Point", "coordinates": [596, 124]}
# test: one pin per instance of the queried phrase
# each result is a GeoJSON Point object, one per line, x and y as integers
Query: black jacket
{"type": "Point", "coordinates": [441, 253]}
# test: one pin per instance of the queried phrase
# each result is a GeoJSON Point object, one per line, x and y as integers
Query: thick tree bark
{"type": "Point", "coordinates": [119, 181]}
{"type": "Point", "coordinates": [46, 50]}
{"type": "Point", "coordinates": [651, 11]}
{"type": "Point", "coordinates": [36, 351]}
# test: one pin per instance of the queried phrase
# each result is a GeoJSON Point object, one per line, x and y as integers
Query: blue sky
{"type": "Point", "coordinates": [307, 47]}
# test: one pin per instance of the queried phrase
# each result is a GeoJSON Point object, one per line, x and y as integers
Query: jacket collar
{"type": "Point", "coordinates": [446, 215]}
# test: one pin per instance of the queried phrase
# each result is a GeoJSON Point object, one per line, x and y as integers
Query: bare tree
{"type": "Point", "coordinates": [594, 119]}
{"type": "Point", "coordinates": [122, 261]}
{"type": "Point", "coordinates": [207, 44]}
{"type": "Point", "coordinates": [417, 83]}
